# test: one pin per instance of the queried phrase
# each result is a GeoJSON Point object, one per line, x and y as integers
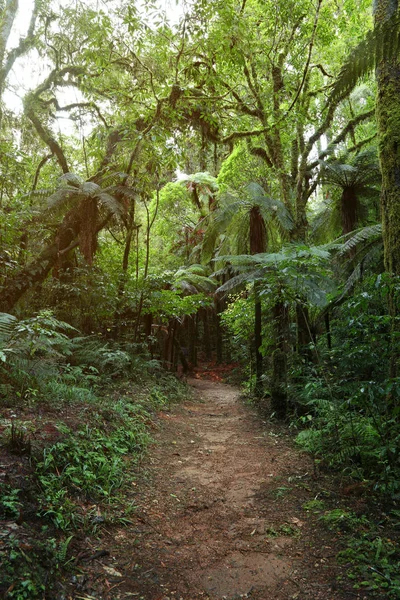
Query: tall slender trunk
{"type": "Point", "coordinates": [258, 244]}
{"type": "Point", "coordinates": [279, 361]}
{"type": "Point", "coordinates": [125, 264]}
{"type": "Point", "coordinates": [149, 224]}
{"type": "Point", "coordinates": [258, 341]}
{"type": "Point", "coordinates": [218, 331]}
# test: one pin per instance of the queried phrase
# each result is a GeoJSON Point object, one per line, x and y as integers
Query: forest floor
{"type": "Point", "coordinates": [224, 509]}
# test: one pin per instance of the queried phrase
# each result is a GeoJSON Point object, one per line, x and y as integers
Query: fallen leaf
{"type": "Point", "coordinates": [112, 571]}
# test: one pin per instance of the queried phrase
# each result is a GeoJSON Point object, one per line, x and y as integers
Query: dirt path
{"type": "Point", "coordinates": [220, 513]}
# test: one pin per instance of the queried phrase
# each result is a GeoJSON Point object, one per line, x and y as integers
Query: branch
{"type": "Point", "coordinates": [310, 48]}
{"type": "Point", "coordinates": [253, 112]}
{"type": "Point", "coordinates": [55, 78]}
{"type": "Point", "coordinates": [89, 105]}
{"type": "Point", "coordinates": [342, 136]}
{"type": "Point", "coordinates": [9, 13]}
{"type": "Point", "coordinates": [41, 164]}
{"type": "Point", "coordinates": [360, 145]}
{"type": "Point", "coordinates": [24, 43]}
{"type": "Point", "coordinates": [243, 134]}
{"type": "Point", "coordinates": [321, 68]}
{"type": "Point", "coordinates": [114, 138]}
{"type": "Point", "coordinates": [262, 153]}
{"type": "Point", "coordinates": [181, 50]}
{"type": "Point", "coordinates": [48, 139]}
{"type": "Point", "coordinates": [253, 90]}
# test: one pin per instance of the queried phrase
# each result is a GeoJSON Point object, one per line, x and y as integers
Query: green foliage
{"type": "Point", "coordinates": [302, 271]}
{"type": "Point", "coordinates": [349, 401]}
{"type": "Point", "coordinates": [372, 560]}
{"type": "Point", "coordinates": [228, 229]}
{"type": "Point", "coordinates": [9, 502]}
{"type": "Point", "coordinates": [382, 43]}
{"type": "Point", "coordinates": [375, 563]}
{"type": "Point", "coordinates": [30, 350]}
{"type": "Point", "coordinates": [89, 463]}
{"type": "Point", "coordinates": [238, 319]}
{"type": "Point", "coordinates": [28, 575]}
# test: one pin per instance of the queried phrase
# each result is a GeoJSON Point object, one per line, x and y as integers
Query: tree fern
{"type": "Point", "coordinates": [233, 217]}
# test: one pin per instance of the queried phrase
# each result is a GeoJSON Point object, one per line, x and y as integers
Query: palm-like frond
{"type": "Point", "coordinates": [373, 232]}
{"type": "Point", "coordinates": [70, 179]}
{"type": "Point", "coordinates": [72, 190]}
{"type": "Point", "coordinates": [358, 172]}
{"type": "Point", "coordinates": [358, 272]}
{"type": "Point", "coordinates": [193, 279]}
{"type": "Point", "coordinates": [110, 203]}
{"type": "Point", "coordinates": [238, 281]}
{"type": "Point", "coordinates": [202, 178]}
{"type": "Point", "coordinates": [114, 179]}
{"type": "Point", "coordinates": [63, 197]}
{"type": "Point", "coordinates": [270, 207]}
{"type": "Point", "coordinates": [124, 191]}
{"type": "Point", "coordinates": [7, 326]}
{"type": "Point", "coordinates": [383, 42]}
{"type": "Point", "coordinates": [300, 268]}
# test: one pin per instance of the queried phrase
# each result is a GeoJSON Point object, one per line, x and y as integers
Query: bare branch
{"type": "Point", "coordinates": [41, 164]}
{"type": "Point", "coordinates": [310, 48]}
{"type": "Point", "coordinates": [7, 62]}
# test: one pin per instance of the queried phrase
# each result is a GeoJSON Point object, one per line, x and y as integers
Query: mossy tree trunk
{"type": "Point", "coordinates": [388, 121]}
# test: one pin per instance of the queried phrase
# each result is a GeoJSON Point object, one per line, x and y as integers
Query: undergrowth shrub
{"type": "Point", "coordinates": [346, 402]}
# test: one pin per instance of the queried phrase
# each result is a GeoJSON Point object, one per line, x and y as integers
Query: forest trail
{"type": "Point", "coordinates": [220, 512]}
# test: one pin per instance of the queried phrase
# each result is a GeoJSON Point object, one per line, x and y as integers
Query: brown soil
{"type": "Point", "coordinates": [219, 514]}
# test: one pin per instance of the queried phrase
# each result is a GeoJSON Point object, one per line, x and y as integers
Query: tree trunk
{"type": "Point", "coordinates": [65, 240]}
{"type": "Point", "coordinates": [388, 121]}
{"type": "Point", "coordinates": [258, 389]}
{"type": "Point", "coordinates": [218, 331]}
{"type": "Point", "coordinates": [279, 361]}
{"type": "Point", "coordinates": [206, 334]}
{"type": "Point", "coordinates": [258, 244]}
{"type": "Point", "coordinates": [304, 338]}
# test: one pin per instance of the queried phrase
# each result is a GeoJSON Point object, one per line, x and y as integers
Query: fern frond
{"type": "Point", "coordinates": [362, 235]}
{"type": "Point", "coordinates": [70, 179]}
{"type": "Point", "coordinates": [42, 194]}
{"type": "Point", "coordinates": [64, 196]}
{"type": "Point", "coordinates": [90, 189]}
{"type": "Point", "coordinates": [7, 325]}
{"type": "Point", "coordinates": [380, 43]}
{"type": "Point", "coordinates": [202, 178]}
{"type": "Point", "coordinates": [110, 203]}
{"type": "Point", "coordinates": [130, 193]}
{"type": "Point", "coordinates": [239, 280]}
{"type": "Point", "coordinates": [114, 179]}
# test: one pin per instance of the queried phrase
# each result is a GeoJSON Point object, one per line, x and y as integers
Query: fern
{"type": "Point", "coordinates": [71, 180]}
{"type": "Point", "coordinates": [193, 279]}
{"type": "Point", "coordinates": [383, 42]}
{"type": "Point", "coordinates": [7, 326]}
{"type": "Point", "coordinates": [362, 235]}
{"type": "Point", "coordinates": [61, 554]}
